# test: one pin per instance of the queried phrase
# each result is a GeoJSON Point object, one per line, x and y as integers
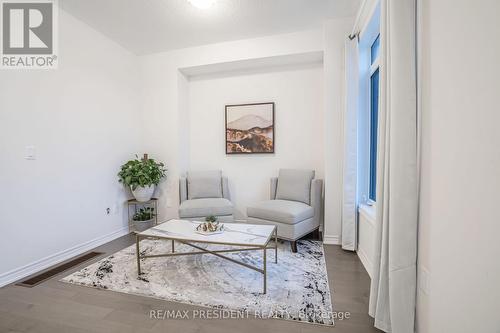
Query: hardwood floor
{"type": "Point", "coordinates": [53, 306]}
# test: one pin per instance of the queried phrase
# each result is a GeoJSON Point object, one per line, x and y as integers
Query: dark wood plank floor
{"type": "Point", "coordinates": [53, 306]}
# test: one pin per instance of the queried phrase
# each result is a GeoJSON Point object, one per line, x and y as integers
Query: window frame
{"type": "Point", "coordinates": [366, 39]}
{"type": "Point", "coordinates": [374, 67]}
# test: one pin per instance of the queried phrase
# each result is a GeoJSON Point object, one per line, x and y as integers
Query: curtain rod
{"type": "Point", "coordinates": [355, 33]}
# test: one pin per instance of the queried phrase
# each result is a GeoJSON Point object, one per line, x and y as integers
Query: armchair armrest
{"type": "Point", "coordinates": [183, 189]}
{"type": "Point", "coordinates": [274, 186]}
{"type": "Point", "coordinates": [317, 199]}
{"type": "Point", "coordinates": [225, 188]}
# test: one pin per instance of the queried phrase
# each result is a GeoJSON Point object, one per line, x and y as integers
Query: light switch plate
{"type": "Point", "coordinates": [424, 282]}
{"type": "Point", "coordinates": [30, 152]}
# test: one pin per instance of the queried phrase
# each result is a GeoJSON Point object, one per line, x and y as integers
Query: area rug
{"type": "Point", "coordinates": [297, 286]}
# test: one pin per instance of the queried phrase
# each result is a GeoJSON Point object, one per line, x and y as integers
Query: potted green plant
{"type": "Point", "coordinates": [211, 225]}
{"type": "Point", "coordinates": [211, 218]}
{"type": "Point", "coordinates": [144, 218]}
{"type": "Point", "coordinates": [142, 176]}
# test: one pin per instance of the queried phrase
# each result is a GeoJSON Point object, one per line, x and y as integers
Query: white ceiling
{"type": "Point", "coordinates": [148, 26]}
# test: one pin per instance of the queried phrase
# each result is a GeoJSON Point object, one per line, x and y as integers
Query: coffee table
{"type": "Point", "coordinates": [245, 237]}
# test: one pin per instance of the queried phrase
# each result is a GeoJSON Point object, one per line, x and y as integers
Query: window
{"type": "Point", "coordinates": [369, 48]}
{"type": "Point", "coordinates": [374, 50]}
{"type": "Point", "coordinates": [373, 124]}
{"type": "Point", "coordinates": [372, 191]}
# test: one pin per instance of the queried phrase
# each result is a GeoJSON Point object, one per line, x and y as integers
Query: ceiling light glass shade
{"type": "Point", "coordinates": [202, 4]}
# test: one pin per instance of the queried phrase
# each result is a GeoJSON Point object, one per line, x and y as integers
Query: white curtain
{"type": "Point", "coordinates": [393, 288]}
{"type": "Point", "coordinates": [349, 204]}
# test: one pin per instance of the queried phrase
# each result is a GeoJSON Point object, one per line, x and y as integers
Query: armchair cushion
{"type": "Point", "coordinates": [295, 185]}
{"type": "Point", "coordinates": [284, 211]}
{"type": "Point", "coordinates": [183, 189]}
{"type": "Point", "coordinates": [204, 184]}
{"type": "Point", "coordinates": [205, 207]}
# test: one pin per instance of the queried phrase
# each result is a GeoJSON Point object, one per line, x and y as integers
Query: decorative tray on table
{"type": "Point", "coordinates": [210, 227]}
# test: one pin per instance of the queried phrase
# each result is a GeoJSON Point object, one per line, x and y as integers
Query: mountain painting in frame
{"type": "Point", "coordinates": [250, 128]}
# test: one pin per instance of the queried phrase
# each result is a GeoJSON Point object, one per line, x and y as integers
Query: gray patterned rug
{"type": "Point", "coordinates": [297, 287]}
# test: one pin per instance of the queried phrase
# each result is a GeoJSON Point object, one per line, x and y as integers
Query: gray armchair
{"type": "Point", "coordinates": [295, 206]}
{"type": "Point", "coordinates": [205, 193]}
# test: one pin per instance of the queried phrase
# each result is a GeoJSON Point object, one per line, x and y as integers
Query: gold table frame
{"type": "Point", "coordinates": [217, 253]}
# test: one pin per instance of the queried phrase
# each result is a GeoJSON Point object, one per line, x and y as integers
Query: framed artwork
{"type": "Point", "coordinates": [250, 128]}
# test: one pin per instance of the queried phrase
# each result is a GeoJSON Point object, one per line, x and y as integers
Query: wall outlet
{"type": "Point", "coordinates": [169, 202]}
{"type": "Point", "coordinates": [108, 211]}
{"type": "Point", "coordinates": [114, 209]}
{"type": "Point", "coordinates": [30, 152]}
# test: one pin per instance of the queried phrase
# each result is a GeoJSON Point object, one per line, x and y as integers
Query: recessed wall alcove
{"type": "Point", "coordinates": [293, 82]}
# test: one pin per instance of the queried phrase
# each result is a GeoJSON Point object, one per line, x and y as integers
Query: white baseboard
{"type": "Point", "coordinates": [331, 240]}
{"type": "Point", "coordinates": [41, 264]}
{"type": "Point", "coordinates": [365, 260]}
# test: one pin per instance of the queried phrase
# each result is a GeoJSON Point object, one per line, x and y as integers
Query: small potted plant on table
{"type": "Point", "coordinates": [142, 176]}
{"type": "Point", "coordinates": [211, 226]}
{"type": "Point", "coordinates": [144, 218]}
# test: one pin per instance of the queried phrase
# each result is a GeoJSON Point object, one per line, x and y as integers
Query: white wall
{"type": "Point", "coordinates": [459, 228]}
{"type": "Point", "coordinates": [164, 90]}
{"type": "Point", "coordinates": [297, 92]}
{"type": "Point", "coordinates": [102, 105]}
{"type": "Point", "coordinates": [82, 118]}
{"type": "Point", "coordinates": [335, 33]}
{"type": "Point", "coordinates": [366, 236]}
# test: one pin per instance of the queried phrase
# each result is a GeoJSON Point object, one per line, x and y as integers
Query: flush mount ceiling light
{"type": "Point", "coordinates": [202, 4]}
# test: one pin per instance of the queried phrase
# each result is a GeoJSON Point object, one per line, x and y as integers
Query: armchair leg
{"type": "Point", "coordinates": [294, 246]}
{"type": "Point", "coordinates": [316, 234]}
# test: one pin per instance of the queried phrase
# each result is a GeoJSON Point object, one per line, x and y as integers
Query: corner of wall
{"type": "Point", "coordinates": [335, 33]}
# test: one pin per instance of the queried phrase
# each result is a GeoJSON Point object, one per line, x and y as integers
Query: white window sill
{"type": "Point", "coordinates": [369, 212]}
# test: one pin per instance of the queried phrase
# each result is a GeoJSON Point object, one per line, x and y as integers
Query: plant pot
{"type": "Point", "coordinates": [143, 225]}
{"type": "Point", "coordinates": [143, 194]}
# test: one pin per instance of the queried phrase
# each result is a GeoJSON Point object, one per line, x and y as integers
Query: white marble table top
{"type": "Point", "coordinates": [234, 233]}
